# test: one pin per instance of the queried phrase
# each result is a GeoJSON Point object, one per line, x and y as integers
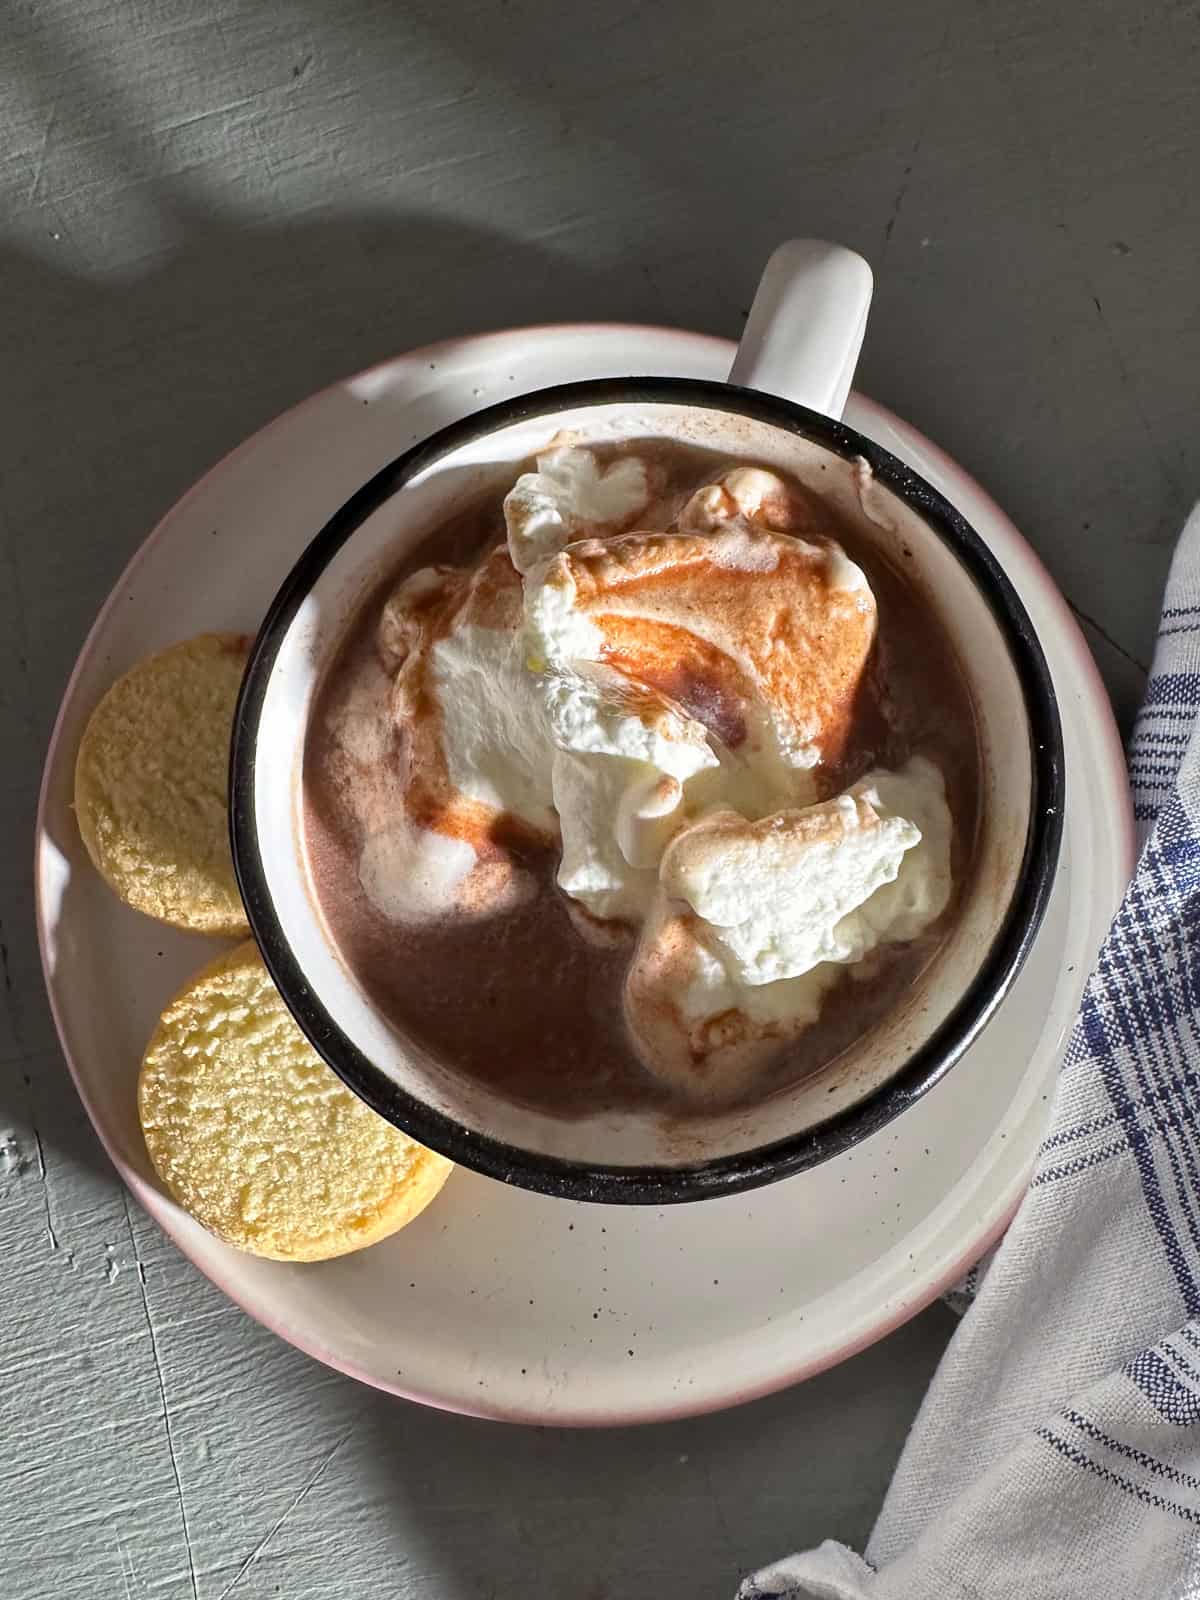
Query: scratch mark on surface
{"type": "Point", "coordinates": [719, 1516]}
{"type": "Point", "coordinates": [898, 202]}
{"type": "Point", "coordinates": [13, 1369]}
{"type": "Point", "coordinates": [5, 970]}
{"type": "Point", "coordinates": [39, 166]}
{"type": "Point", "coordinates": [552, 230]}
{"type": "Point", "coordinates": [180, 124]}
{"type": "Point", "coordinates": [906, 176]}
{"type": "Point", "coordinates": [162, 1389]}
{"type": "Point", "coordinates": [443, 164]}
{"type": "Point", "coordinates": [127, 1571]}
{"type": "Point", "coordinates": [310, 1483]}
{"type": "Point", "coordinates": [1107, 637]}
{"type": "Point", "coordinates": [41, 1161]}
{"type": "Point", "coordinates": [99, 1517]}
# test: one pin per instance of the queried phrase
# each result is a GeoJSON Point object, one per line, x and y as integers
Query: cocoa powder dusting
{"type": "Point", "coordinates": [525, 1001]}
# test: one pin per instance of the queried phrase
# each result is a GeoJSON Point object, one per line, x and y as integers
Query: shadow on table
{"type": "Point", "coordinates": [120, 386]}
{"type": "Point", "coordinates": [682, 1508]}
{"type": "Point", "coordinates": [116, 394]}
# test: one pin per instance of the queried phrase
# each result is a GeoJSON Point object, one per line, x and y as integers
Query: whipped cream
{"type": "Point", "coordinates": [778, 893]}
{"type": "Point", "coordinates": [492, 725]}
{"type": "Point", "coordinates": [754, 922]}
{"type": "Point", "coordinates": [590, 794]}
{"type": "Point", "coordinates": [414, 874]}
{"type": "Point", "coordinates": [694, 1025]}
{"type": "Point", "coordinates": [761, 636]}
{"type": "Point", "coordinates": [747, 492]}
{"type": "Point", "coordinates": [570, 497]}
{"type": "Point", "coordinates": [661, 704]}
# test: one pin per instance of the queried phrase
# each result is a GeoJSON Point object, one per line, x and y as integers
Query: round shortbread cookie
{"type": "Point", "coordinates": [261, 1141]}
{"type": "Point", "coordinates": [152, 779]}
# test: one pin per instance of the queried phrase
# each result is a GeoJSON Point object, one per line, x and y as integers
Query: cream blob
{"type": "Point", "coordinates": [571, 496]}
{"type": "Point", "coordinates": [754, 922]}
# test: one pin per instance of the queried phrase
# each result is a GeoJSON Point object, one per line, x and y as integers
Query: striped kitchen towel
{"type": "Point", "coordinates": [1057, 1453]}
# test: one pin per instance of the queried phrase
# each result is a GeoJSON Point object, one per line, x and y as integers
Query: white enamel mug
{"type": "Point", "coordinates": [780, 409]}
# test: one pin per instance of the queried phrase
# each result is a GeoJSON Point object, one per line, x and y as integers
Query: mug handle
{"type": "Point", "coordinates": [806, 325]}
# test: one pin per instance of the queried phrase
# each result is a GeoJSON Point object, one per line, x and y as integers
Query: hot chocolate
{"type": "Point", "coordinates": [649, 782]}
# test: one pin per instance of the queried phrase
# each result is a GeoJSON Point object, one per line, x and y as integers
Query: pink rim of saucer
{"type": "Point", "coordinates": [1082, 667]}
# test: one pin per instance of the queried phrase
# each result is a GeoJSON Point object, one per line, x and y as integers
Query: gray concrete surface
{"type": "Point", "coordinates": [208, 211]}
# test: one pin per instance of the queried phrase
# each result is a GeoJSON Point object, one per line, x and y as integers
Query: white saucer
{"type": "Point", "coordinates": [496, 1301]}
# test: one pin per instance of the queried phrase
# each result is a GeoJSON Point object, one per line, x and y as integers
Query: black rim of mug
{"type": "Point", "coordinates": [722, 1175]}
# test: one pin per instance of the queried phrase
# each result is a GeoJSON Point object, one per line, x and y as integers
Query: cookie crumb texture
{"type": "Point", "coordinates": [151, 784]}
{"type": "Point", "coordinates": [258, 1139]}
